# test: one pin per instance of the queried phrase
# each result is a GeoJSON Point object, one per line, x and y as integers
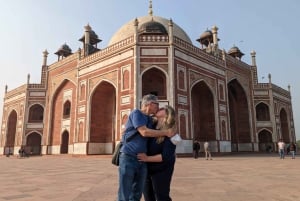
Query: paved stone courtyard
{"type": "Point", "coordinates": [239, 177]}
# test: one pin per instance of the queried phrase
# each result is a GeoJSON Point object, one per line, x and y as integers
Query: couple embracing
{"type": "Point", "coordinates": [146, 162]}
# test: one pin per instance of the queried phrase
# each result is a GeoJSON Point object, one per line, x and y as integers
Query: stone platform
{"type": "Point", "coordinates": [239, 177]}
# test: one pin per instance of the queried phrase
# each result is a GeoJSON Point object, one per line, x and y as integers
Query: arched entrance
{"type": "Point", "coordinates": [64, 147]}
{"type": "Point", "coordinates": [284, 126]}
{"type": "Point", "coordinates": [33, 144]}
{"type": "Point", "coordinates": [11, 133]}
{"type": "Point", "coordinates": [265, 141]}
{"type": "Point", "coordinates": [203, 112]}
{"type": "Point", "coordinates": [239, 115]}
{"type": "Point", "coordinates": [103, 114]}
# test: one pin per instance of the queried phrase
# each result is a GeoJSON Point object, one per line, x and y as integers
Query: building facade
{"type": "Point", "coordinates": [85, 97]}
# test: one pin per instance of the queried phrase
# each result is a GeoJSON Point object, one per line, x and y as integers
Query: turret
{"type": "Point", "coordinates": [209, 40]}
{"type": "Point", "coordinates": [89, 40]}
{"type": "Point", "coordinates": [206, 38]}
{"type": "Point", "coordinates": [63, 52]}
{"type": "Point", "coordinates": [235, 52]}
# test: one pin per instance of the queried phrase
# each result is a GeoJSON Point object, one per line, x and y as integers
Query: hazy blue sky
{"type": "Point", "coordinates": [270, 27]}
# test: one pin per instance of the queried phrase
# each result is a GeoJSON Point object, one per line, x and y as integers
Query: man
{"type": "Point", "coordinates": [132, 172]}
{"type": "Point", "coordinates": [281, 146]}
{"type": "Point", "coordinates": [196, 149]}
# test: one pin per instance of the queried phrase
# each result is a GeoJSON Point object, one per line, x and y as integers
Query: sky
{"type": "Point", "coordinates": [269, 27]}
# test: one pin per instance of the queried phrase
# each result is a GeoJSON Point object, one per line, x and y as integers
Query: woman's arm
{"type": "Point", "coordinates": [143, 157]}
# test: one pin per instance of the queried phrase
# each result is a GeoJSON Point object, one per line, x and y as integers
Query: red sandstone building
{"type": "Point", "coordinates": [85, 97]}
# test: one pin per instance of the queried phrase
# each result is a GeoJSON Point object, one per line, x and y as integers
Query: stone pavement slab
{"type": "Point", "coordinates": [238, 177]}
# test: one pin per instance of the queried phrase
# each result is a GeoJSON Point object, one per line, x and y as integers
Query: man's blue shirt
{"type": "Point", "coordinates": [137, 144]}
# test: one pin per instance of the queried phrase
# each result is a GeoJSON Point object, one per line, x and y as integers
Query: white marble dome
{"type": "Point", "coordinates": [127, 29]}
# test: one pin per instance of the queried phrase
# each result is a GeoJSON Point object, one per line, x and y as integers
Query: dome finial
{"type": "Point", "coordinates": [150, 8]}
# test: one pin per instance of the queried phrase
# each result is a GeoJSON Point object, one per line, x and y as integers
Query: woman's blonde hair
{"type": "Point", "coordinates": [169, 121]}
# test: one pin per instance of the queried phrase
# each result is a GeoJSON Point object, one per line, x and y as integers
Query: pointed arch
{"type": "Point", "coordinates": [126, 79]}
{"type": "Point", "coordinates": [64, 146]}
{"type": "Point", "coordinates": [265, 140]}
{"type": "Point", "coordinates": [284, 125]}
{"type": "Point", "coordinates": [102, 113]}
{"type": "Point", "coordinates": [80, 136]}
{"type": "Point", "coordinates": [82, 91]}
{"type": "Point", "coordinates": [154, 81]}
{"type": "Point", "coordinates": [36, 113]}
{"type": "Point", "coordinates": [65, 92]}
{"type": "Point", "coordinates": [33, 143]}
{"type": "Point", "coordinates": [223, 130]}
{"type": "Point", "coordinates": [239, 114]}
{"type": "Point", "coordinates": [262, 112]}
{"type": "Point", "coordinates": [181, 80]}
{"type": "Point", "coordinates": [203, 116]}
{"type": "Point", "coordinates": [66, 109]}
{"type": "Point", "coordinates": [11, 131]}
{"type": "Point", "coordinates": [182, 128]}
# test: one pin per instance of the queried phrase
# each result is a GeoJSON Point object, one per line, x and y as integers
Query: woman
{"type": "Point", "coordinates": [161, 159]}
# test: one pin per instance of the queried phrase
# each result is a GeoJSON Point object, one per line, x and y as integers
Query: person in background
{"type": "Point", "coordinates": [281, 147]}
{"type": "Point", "coordinates": [196, 149]}
{"type": "Point", "coordinates": [293, 149]}
{"type": "Point", "coordinates": [132, 172]}
{"type": "Point", "coordinates": [207, 151]}
{"type": "Point", "coordinates": [160, 159]}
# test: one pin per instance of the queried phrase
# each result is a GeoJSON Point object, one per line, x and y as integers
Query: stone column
{"type": "Point", "coordinates": [45, 55]}
{"type": "Point", "coordinates": [253, 53]}
{"type": "Point", "coordinates": [87, 39]}
{"type": "Point", "coordinates": [214, 30]}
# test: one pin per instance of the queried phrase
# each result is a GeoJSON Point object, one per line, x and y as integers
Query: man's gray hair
{"type": "Point", "coordinates": [149, 98]}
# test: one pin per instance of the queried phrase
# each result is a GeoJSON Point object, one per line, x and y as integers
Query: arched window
{"type": "Point", "coordinates": [126, 79]}
{"type": "Point", "coordinates": [82, 92]}
{"type": "Point", "coordinates": [221, 91]}
{"type": "Point", "coordinates": [181, 79]}
{"type": "Point", "coordinates": [183, 127]}
{"type": "Point", "coordinates": [36, 114]}
{"type": "Point", "coordinates": [223, 132]}
{"type": "Point", "coordinates": [262, 112]}
{"type": "Point", "coordinates": [154, 82]}
{"type": "Point", "coordinates": [67, 109]}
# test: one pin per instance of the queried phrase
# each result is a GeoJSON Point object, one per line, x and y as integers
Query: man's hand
{"type": "Point", "coordinates": [172, 131]}
{"type": "Point", "coordinates": [142, 157]}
